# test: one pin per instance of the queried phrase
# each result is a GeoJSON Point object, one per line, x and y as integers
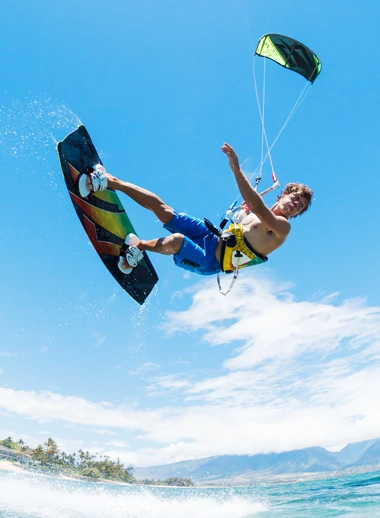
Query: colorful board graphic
{"type": "Point", "coordinates": [102, 215]}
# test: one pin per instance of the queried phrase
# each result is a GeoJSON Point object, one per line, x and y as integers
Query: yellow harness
{"type": "Point", "coordinates": [236, 251]}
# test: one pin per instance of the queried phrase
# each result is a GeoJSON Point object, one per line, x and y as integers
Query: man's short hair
{"type": "Point", "coordinates": [301, 189]}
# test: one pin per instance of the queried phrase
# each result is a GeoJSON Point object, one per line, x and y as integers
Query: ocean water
{"type": "Point", "coordinates": [32, 496]}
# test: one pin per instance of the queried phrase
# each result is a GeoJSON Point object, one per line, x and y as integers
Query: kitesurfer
{"type": "Point", "coordinates": [196, 245]}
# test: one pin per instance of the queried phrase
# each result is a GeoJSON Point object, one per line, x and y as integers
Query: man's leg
{"type": "Point", "coordinates": [145, 198]}
{"type": "Point", "coordinates": [164, 245]}
{"type": "Point", "coordinates": [169, 245]}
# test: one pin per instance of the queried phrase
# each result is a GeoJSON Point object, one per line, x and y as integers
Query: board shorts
{"type": "Point", "coordinates": [197, 252]}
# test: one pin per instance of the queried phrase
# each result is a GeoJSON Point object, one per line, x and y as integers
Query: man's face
{"type": "Point", "coordinates": [292, 204]}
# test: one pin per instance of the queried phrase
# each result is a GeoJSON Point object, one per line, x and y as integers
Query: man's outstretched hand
{"type": "Point", "coordinates": [232, 157]}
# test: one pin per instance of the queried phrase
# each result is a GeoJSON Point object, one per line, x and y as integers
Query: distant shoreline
{"type": "Point", "coordinates": [13, 467]}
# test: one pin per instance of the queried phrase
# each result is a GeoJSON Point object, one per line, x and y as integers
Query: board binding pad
{"type": "Point", "coordinates": [102, 215]}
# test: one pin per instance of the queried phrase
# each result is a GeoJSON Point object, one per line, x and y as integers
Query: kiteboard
{"type": "Point", "coordinates": [102, 215]}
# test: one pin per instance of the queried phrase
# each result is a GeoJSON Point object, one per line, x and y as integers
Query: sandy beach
{"type": "Point", "coordinates": [7, 465]}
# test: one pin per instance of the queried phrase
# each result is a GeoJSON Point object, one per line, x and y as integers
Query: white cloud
{"type": "Point", "coordinates": [46, 405]}
{"type": "Point", "coordinates": [102, 431]}
{"type": "Point", "coordinates": [118, 444]}
{"type": "Point", "coordinates": [270, 324]}
{"type": "Point", "coordinates": [169, 382]}
{"type": "Point", "coordinates": [296, 374]}
{"type": "Point", "coordinates": [144, 368]}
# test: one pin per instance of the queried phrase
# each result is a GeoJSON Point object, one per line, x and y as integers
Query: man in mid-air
{"type": "Point", "coordinates": [195, 245]}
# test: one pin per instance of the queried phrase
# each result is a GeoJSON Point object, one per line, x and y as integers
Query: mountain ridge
{"type": "Point", "coordinates": [246, 468]}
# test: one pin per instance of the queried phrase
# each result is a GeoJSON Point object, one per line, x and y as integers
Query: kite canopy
{"type": "Point", "coordinates": [290, 54]}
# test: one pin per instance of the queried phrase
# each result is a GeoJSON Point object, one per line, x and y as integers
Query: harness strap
{"type": "Point", "coordinates": [212, 228]}
{"type": "Point", "coordinates": [234, 240]}
{"type": "Point", "coordinates": [236, 250]}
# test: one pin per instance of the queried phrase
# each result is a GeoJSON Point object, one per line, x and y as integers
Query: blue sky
{"type": "Point", "coordinates": [291, 357]}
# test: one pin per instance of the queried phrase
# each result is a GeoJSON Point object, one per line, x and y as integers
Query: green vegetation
{"type": "Point", "coordinates": [173, 481]}
{"type": "Point", "coordinates": [9, 443]}
{"type": "Point", "coordinates": [49, 459]}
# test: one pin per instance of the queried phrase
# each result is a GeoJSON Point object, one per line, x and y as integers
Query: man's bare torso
{"type": "Point", "coordinates": [259, 236]}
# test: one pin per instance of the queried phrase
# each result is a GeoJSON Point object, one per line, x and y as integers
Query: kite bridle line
{"type": "Point", "coordinates": [261, 109]}
{"type": "Point", "coordinates": [264, 139]}
{"type": "Point", "coordinates": [262, 117]}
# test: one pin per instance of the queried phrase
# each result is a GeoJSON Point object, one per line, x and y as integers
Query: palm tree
{"type": "Point", "coordinates": [39, 454]}
{"type": "Point", "coordinates": [23, 447]}
{"type": "Point", "coordinates": [8, 442]}
{"type": "Point", "coordinates": [51, 447]}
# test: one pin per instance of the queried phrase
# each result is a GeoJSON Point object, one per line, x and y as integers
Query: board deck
{"type": "Point", "coordinates": [102, 215]}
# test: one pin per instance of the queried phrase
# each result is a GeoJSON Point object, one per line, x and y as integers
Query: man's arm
{"type": "Point", "coordinates": [278, 224]}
